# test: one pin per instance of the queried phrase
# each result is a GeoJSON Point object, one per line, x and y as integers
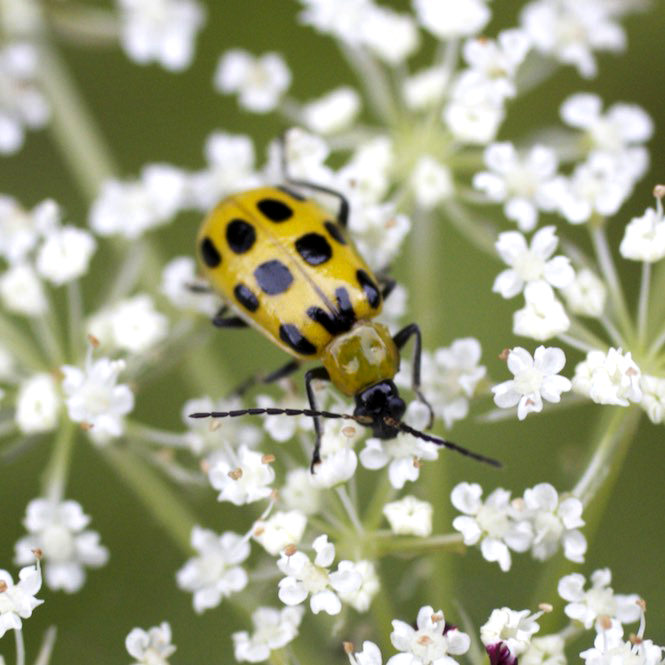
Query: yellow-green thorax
{"type": "Point", "coordinates": [361, 357]}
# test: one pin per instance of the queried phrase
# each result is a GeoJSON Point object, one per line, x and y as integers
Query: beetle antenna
{"type": "Point", "coordinates": [403, 427]}
{"type": "Point", "coordinates": [275, 411]}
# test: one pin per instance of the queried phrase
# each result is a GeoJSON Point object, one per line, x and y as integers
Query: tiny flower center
{"type": "Point", "coordinates": [58, 543]}
{"type": "Point", "coordinates": [529, 381]}
{"type": "Point", "coordinates": [529, 266]}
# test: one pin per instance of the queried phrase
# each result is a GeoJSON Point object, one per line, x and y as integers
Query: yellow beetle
{"type": "Point", "coordinates": [286, 267]}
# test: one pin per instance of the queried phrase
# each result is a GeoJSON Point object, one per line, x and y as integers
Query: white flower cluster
{"type": "Point", "coordinates": [541, 521]}
{"type": "Point", "coordinates": [18, 600]}
{"type": "Point", "coordinates": [58, 530]}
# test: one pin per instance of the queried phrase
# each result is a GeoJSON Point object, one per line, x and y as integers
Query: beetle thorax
{"type": "Point", "coordinates": [361, 357]}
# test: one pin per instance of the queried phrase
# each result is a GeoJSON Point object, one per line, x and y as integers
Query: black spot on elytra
{"type": "Point", "coordinates": [314, 249]}
{"type": "Point", "coordinates": [273, 277]}
{"type": "Point", "coordinates": [246, 297]}
{"type": "Point", "coordinates": [209, 253]}
{"type": "Point", "coordinates": [291, 192]}
{"type": "Point", "coordinates": [344, 305]}
{"type": "Point", "coordinates": [369, 287]}
{"type": "Point", "coordinates": [289, 334]}
{"type": "Point", "coordinates": [240, 235]}
{"type": "Point", "coordinates": [335, 232]}
{"type": "Point", "coordinates": [275, 210]}
{"type": "Point", "coordinates": [339, 321]}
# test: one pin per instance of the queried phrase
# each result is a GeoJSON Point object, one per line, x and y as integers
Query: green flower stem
{"type": "Point", "coordinates": [383, 493]}
{"type": "Point", "coordinates": [383, 612]}
{"type": "Point", "coordinates": [75, 132]}
{"type": "Point", "coordinates": [75, 320]}
{"type": "Point", "coordinates": [20, 344]}
{"type": "Point", "coordinates": [46, 650]}
{"type": "Point", "coordinates": [643, 304]}
{"type": "Point", "coordinates": [20, 647]}
{"type": "Point", "coordinates": [606, 263]}
{"type": "Point", "coordinates": [387, 543]}
{"type": "Point", "coordinates": [615, 432]}
{"type": "Point", "coordinates": [57, 471]}
{"type": "Point", "coordinates": [480, 233]}
{"type": "Point", "coordinates": [162, 502]}
{"type": "Point", "coordinates": [618, 428]}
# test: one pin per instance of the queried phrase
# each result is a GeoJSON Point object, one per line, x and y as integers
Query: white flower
{"type": "Point", "coordinates": [259, 82]}
{"type": "Point", "coordinates": [512, 628]}
{"type": "Point", "coordinates": [20, 229]}
{"type": "Point", "coordinates": [333, 112]}
{"type": "Point", "coordinates": [475, 111]}
{"type": "Point", "coordinates": [230, 169]}
{"type": "Point", "coordinates": [279, 530]}
{"type": "Point", "coordinates": [621, 126]}
{"type": "Point", "coordinates": [545, 650]}
{"type": "Point", "coordinates": [497, 61]}
{"type": "Point", "coordinates": [543, 316]}
{"type": "Point", "coordinates": [448, 377]}
{"type": "Point", "coordinates": [151, 647]}
{"type": "Point", "coordinates": [58, 529]}
{"type": "Point", "coordinates": [132, 208]}
{"type": "Point", "coordinates": [555, 523]}
{"type": "Point", "coordinates": [338, 459]}
{"type": "Point", "coordinates": [365, 178]}
{"type": "Point", "coordinates": [305, 578]}
{"type": "Point", "coordinates": [65, 255]}
{"type": "Point", "coordinates": [490, 523]}
{"type": "Point", "coordinates": [644, 238]}
{"type": "Point", "coordinates": [425, 88]}
{"type": "Point", "coordinates": [599, 600]}
{"type": "Point", "coordinates": [409, 516]}
{"type": "Point", "coordinates": [431, 182]}
{"type": "Point", "coordinates": [273, 629]}
{"type": "Point", "coordinates": [22, 104]}
{"type": "Point", "coordinates": [535, 379]}
{"type": "Point", "coordinates": [178, 276]}
{"type": "Point", "coordinates": [161, 31]}
{"type": "Point", "coordinates": [429, 643]}
{"type": "Point", "coordinates": [392, 36]}
{"type": "Point", "coordinates": [18, 600]}
{"type": "Point", "coordinates": [305, 153]}
{"type": "Point", "coordinates": [94, 398]}
{"type": "Point", "coordinates": [283, 428]}
{"type": "Point", "coordinates": [370, 655]}
{"type": "Point", "coordinates": [586, 294]}
{"type": "Point", "coordinates": [378, 233]}
{"type": "Point", "coordinates": [448, 19]}
{"type": "Point", "coordinates": [132, 325]}
{"type": "Point", "coordinates": [600, 185]}
{"type": "Point", "coordinates": [531, 263]}
{"type": "Point", "coordinates": [22, 292]}
{"type": "Point", "coordinates": [570, 31]}
{"type": "Point", "coordinates": [403, 454]}
{"type": "Point", "coordinates": [341, 18]}
{"type": "Point", "coordinates": [299, 493]}
{"type": "Point", "coordinates": [208, 435]}
{"type": "Point", "coordinates": [245, 480]}
{"type": "Point", "coordinates": [610, 648]}
{"type": "Point", "coordinates": [520, 182]}
{"type": "Point", "coordinates": [653, 397]}
{"type": "Point", "coordinates": [37, 404]}
{"type": "Point", "coordinates": [215, 573]}
{"type": "Point", "coordinates": [608, 378]}
{"type": "Point", "coordinates": [361, 598]}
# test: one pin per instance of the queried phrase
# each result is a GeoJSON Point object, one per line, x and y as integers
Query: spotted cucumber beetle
{"type": "Point", "coordinates": [286, 267]}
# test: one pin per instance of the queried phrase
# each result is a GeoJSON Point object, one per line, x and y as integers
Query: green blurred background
{"type": "Point", "coordinates": [149, 115]}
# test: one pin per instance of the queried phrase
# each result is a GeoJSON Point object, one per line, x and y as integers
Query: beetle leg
{"type": "Point", "coordinates": [400, 339]}
{"type": "Point", "coordinates": [320, 373]}
{"type": "Point", "coordinates": [221, 320]}
{"type": "Point", "coordinates": [344, 207]}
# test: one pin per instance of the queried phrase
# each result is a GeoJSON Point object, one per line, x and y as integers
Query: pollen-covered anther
{"type": "Point", "coordinates": [86, 426]}
{"type": "Point", "coordinates": [634, 639]}
{"type": "Point", "coordinates": [274, 495]}
{"type": "Point", "coordinates": [605, 621]}
{"type": "Point", "coordinates": [268, 458]}
{"type": "Point", "coordinates": [504, 354]}
{"type": "Point", "coordinates": [214, 424]}
{"type": "Point", "coordinates": [259, 531]}
{"type": "Point", "coordinates": [436, 617]}
{"type": "Point", "coordinates": [205, 466]}
{"type": "Point", "coordinates": [3, 586]}
{"type": "Point", "coordinates": [642, 604]}
{"type": "Point", "coordinates": [93, 341]}
{"type": "Point", "coordinates": [235, 474]}
{"type": "Point", "coordinates": [424, 640]}
{"type": "Point", "coordinates": [545, 607]}
{"type": "Point", "coordinates": [290, 550]}
{"type": "Point", "coordinates": [417, 462]}
{"type": "Point", "coordinates": [348, 647]}
{"type": "Point", "coordinates": [659, 191]}
{"type": "Point", "coordinates": [38, 552]}
{"type": "Point", "coordinates": [349, 431]}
